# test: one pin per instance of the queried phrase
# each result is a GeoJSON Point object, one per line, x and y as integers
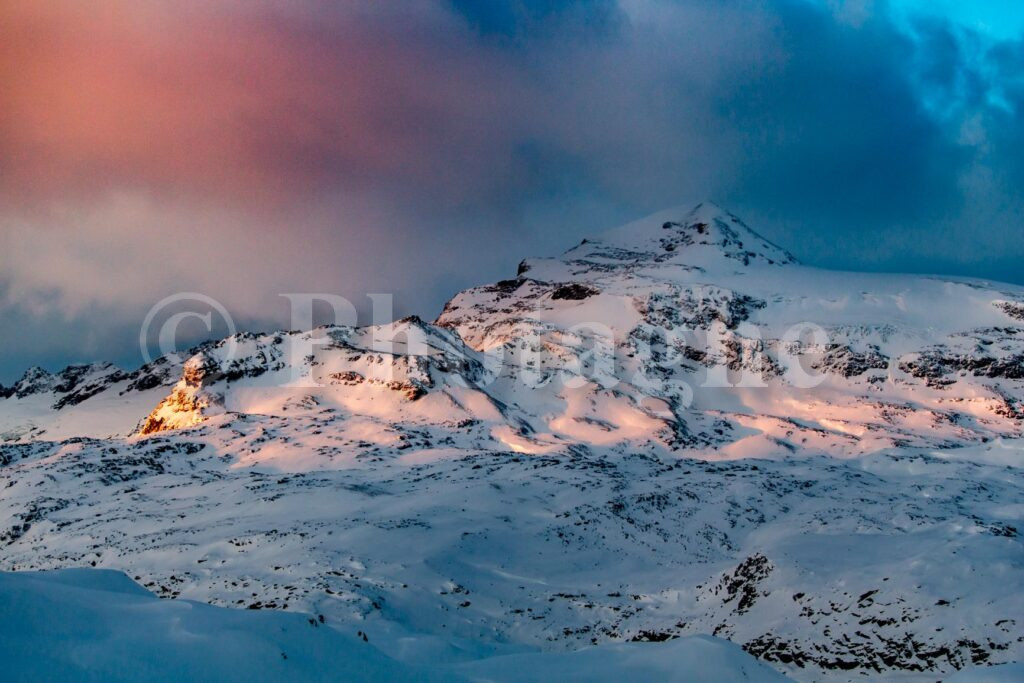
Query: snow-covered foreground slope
{"type": "Point", "coordinates": [93, 625]}
{"type": "Point", "coordinates": [674, 429]}
{"type": "Point", "coordinates": [89, 625]}
{"type": "Point", "coordinates": [890, 563]}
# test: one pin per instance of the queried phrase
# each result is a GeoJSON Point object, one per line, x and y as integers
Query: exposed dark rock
{"type": "Point", "coordinates": [1013, 309]}
{"type": "Point", "coordinates": [34, 381]}
{"type": "Point", "coordinates": [653, 637]}
{"type": "Point", "coordinates": [573, 292]}
{"type": "Point", "coordinates": [934, 366]}
{"type": "Point", "coordinates": [741, 585]}
{"type": "Point", "coordinates": [505, 286]}
{"type": "Point", "coordinates": [150, 376]}
{"type": "Point", "coordinates": [844, 361]}
{"type": "Point", "coordinates": [87, 391]}
{"type": "Point", "coordinates": [699, 307]}
{"type": "Point", "coordinates": [68, 378]}
{"type": "Point", "coordinates": [876, 654]}
{"type": "Point", "coordinates": [412, 390]}
{"type": "Point", "coordinates": [349, 378]}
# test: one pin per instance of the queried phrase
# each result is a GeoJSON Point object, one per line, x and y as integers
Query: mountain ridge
{"type": "Point", "coordinates": [685, 321]}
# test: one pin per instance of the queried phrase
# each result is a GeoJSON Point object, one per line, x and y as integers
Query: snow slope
{"type": "Point", "coordinates": [89, 625]}
{"type": "Point", "coordinates": [892, 563]}
{"type": "Point", "coordinates": [95, 625]}
{"type": "Point", "coordinates": [641, 440]}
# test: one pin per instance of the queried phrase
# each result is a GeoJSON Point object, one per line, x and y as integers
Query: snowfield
{"type": "Point", "coordinates": [671, 436]}
{"type": "Point", "coordinates": [97, 625]}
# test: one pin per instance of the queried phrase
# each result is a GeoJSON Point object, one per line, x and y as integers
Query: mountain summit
{"type": "Point", "coordinates": [695, 237]}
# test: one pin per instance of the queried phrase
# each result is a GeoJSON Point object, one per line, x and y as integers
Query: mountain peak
{"type": "Point", "coordinates": [35, 380]}
{"type": "Point", "coordinates": [700, 236]}
{"type": "Point", "coordinates": [709, 211]}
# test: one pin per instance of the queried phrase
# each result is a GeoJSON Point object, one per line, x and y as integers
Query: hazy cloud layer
{"type": "Point", "coordinates": [245, 149]}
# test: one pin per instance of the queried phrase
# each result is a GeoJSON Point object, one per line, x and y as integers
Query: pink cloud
{"type": "Point", "coordinates": [238, 101]}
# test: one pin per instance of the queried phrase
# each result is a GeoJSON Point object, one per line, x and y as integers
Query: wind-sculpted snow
{"type": "Point", "coordinates": [674, 429]}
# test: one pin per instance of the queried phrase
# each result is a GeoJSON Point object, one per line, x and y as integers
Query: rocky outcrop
{"type": "Point", "coordinates": [938, 366]}
{"type": "Point", "coordinates": [191, 401]}
{"type": "Point", "coordinates": [841, 360]}
{"type": "Point", "coordinates": [1014, 309]}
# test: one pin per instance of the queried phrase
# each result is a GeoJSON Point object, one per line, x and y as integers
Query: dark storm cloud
{"type": "Point", "coordinates": [1006, 143]}
{"type": "Point", "coordinates": [839, 133]}
{"type": "Point", "coordinates": [249, 149]}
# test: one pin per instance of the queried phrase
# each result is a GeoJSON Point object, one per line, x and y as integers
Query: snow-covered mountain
{"type": "Point", "coordinates": [693, 336]}
{"type": "Point", "coordinates": [672, 429]}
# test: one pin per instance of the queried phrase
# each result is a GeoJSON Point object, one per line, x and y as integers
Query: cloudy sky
{"type": "Point", "coordinates": [248, 148]}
